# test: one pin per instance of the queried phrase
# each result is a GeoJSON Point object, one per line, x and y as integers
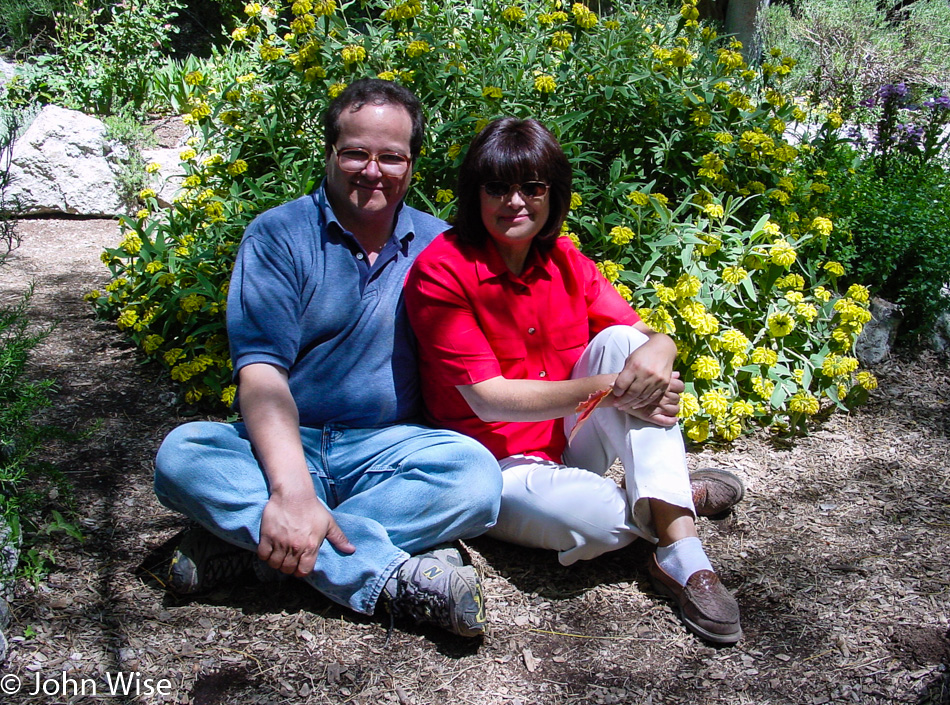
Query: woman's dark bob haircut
{"type": "Point", "coordinates": [513, 151]}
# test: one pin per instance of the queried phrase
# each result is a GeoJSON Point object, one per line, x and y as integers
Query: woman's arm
{"type": "Point", "coordinates": [500, 399]}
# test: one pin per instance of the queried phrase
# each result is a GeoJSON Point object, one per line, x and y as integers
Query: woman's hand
{"type": "Point", "coordinates": [646, 375]}
{"type": "Point", "coordinates": [664, 412]}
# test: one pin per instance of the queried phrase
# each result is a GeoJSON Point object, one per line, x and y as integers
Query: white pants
{"type": "Point", "coordinates": [573, 508]}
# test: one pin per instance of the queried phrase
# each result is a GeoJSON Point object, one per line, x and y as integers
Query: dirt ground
{"type": "Point", "coordinates": [838, 557]}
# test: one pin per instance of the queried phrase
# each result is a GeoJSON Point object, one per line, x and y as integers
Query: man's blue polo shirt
{"type": "Point", "coordinates": [303, 297]}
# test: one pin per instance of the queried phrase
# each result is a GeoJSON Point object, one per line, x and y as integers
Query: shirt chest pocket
{"type": "Point", "coordinates": [568, 337]}
{"type": "Point", "coordinates": [508, 348]}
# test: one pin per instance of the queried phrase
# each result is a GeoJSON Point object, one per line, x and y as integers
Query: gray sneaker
{"type": "Point", "coordinates": [435, 588]}
{"type": "Point", "coordinates": [202, 562]}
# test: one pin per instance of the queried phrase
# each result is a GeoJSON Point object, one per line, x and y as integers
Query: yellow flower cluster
{"type": "Point", "coordinates": [697, 431]}
{"type": "Point", "coordinates": [638, 198]}
{"type": "Point", "coordinates": [833, 268]}
{"type": "Point", "coordinates": [543, 83]}
{"type": "Point", "coordinates": [731, 60]}
{"type": "Point", "coordinates": [687, 286]}
{"type": "Point", "coordinates": [782, 254]}
{"type": "Point", "coordinates": [269, 52]}
{"type": "Point", "coordinates": [689, 405]}
{"type": "Point", "coordinates": [403, 11]}
{"type": "Point", "coordinates": [583, 16]}
{"type": "Point", "coordinates": [513, 13]}
{"type": "Point", "coordinates": [228, 394]}
{"type": "Point", "coordinates": [658, 319]}
{"type": "Point", "coordinates": [621, 235]}
{"type": "Point", "coordinates": [803, 402]}
{"type": "Point", "coordinates": [549, 19]}
{"type": "Point", "coordinates": [561, 40]}
{"type": "Point", "coordinates": [859, 293]}
{"type": "Point", "coordinates": [867, 380]}
{"type": "Point", "coordinates": [324, 8]}
{"type": "Point", "coordinates": [444, 195]}
{"type": "Point", "coordinates": [714, 210]}
{"type": "Point", "coordinates": [733, 275]}
{"type": "Point", "coordinates": [418, 48]}
{"type": "Point", "coordinates": [610, 270]}
{"type": "Point", "coordinates": [763, 387]}
{"type": "Point", "coordinates": [492, 92]}
{"type": "Point", "coordinates": [734, 341]}
{"type": "Point", "coordinates": [353, 53]}
{"type": "Point", "coordinates": [715, 402]}
{"type": "Point", "coordinates": [238, 166]}
{"type": "Point", "coordinates": [835, 365]}
{"type": "Point", "coordinates": [192, 303]}
{"type": "Point", "coordinates": [780, 324]}
{"type": "Point", "coordinates": [131, 243]}
{"type": "Point", "coordinates": [706, 367]}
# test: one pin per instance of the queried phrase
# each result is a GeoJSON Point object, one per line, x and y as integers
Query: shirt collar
{"type": "Point", "coordinates": [490, 264]}
{"type": "Point", "coordinates": [403, 232]}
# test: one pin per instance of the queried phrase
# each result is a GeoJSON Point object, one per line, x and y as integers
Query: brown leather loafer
{"type": "Point", "coordinates": [715, 491]}
{"type": "Point", "coordinates": [705, 606]}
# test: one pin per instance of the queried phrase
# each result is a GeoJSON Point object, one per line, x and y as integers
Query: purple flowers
{"type": "Point", "coordinates": [905, 127]}
{"type": "Point", "coordinates": [941, 103]}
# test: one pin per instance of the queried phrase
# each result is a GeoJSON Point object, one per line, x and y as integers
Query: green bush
{"type": "Point", "coordinates": [901, 226]}
{"type": "Point", "coordinates": [847, 48]}
{"type": "Point", "coordinates": [687, 190]}
{"type": "Point", "coordinates": [102, 57]}
{"type": "Point", "coordinates": [24, 22]}
{"type": "Point", "coordinates": [891, 190]}
{"type": "Point", "coordinates": [25, 483]}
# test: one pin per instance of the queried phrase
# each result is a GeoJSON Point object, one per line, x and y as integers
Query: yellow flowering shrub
{"type": "Point", "coordinates": [686, 191]}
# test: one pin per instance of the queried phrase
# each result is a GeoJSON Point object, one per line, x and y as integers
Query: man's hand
{"type": "Point", "coordinates": [292, 531]}
{"type": "Point", "coordinates": [294, 522]}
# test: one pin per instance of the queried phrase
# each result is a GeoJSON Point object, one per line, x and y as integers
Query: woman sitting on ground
{"type": "Point", "coordinates": [516, 328]}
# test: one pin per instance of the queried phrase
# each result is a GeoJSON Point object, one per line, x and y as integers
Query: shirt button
{"type": "Point", "coordinates": [531, 331]}
{"type": "Point", "coordinates": [543, 374]}
{"type": "Point", "coordinates": [359, 255]}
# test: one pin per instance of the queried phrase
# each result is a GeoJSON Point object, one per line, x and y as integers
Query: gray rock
{"type": "Point", "coordinates": [7, 71]}
{"type": "Point", "coordinates": [63, 163]}
{"type": "Point", "coordinates": [940, 340]}
{"type": "Point", "coordinates": [876, 340]}
{"type": "Point", "coordinates": [166, 182]}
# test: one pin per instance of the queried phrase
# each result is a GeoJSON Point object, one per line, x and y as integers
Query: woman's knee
{"type": "Point", "coordinates": [572, 511]}
{"type": "Point", "coordinates": [623, 339]}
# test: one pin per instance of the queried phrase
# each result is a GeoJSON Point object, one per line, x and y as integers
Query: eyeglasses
{"type": "Point", "coordinates": [354, 160]}
{"type": "Point", "coordinates": [529, 189]}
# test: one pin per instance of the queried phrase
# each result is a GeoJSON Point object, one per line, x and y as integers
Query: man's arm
{"type": "Point", "coordinates": [294, 522]}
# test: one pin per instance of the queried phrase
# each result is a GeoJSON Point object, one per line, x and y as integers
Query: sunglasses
{"type": "Point", "coordinates": [529, 189]}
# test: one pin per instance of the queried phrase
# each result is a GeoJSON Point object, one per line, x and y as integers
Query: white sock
{"type": "Point", "coordinates": [683, 558]}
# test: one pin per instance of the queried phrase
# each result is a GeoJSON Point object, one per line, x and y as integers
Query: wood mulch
{"type": "Point", "coordinates": [838, 557]}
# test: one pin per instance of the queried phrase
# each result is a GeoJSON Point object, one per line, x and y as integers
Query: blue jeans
{"type": "Point", "coordinates": [394, 491]}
